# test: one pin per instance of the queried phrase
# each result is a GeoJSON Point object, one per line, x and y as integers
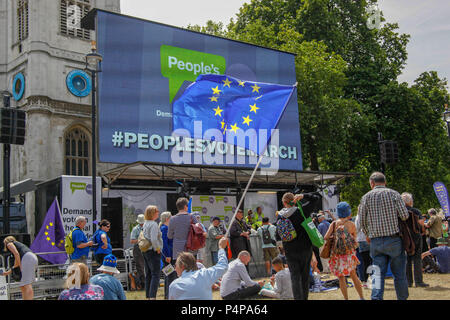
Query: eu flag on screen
{"type": "Point", "coordinates": [51, 236]}
{"type": "Point", "coordinates": [231, 106]}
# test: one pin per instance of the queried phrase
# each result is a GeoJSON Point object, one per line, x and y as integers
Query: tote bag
{"type": "Point", "coordinates": [310, 228]}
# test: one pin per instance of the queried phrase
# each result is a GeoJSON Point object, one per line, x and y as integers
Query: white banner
{"type": "Point", "coordinates": [134, 203]}
{"type": "Point", "coordinates": [76, 200]}
{"type": "Point", "coordinates": [212, 206]}
{"type": "Point", "coordinates": [266, 200]}
{"type": "Point", "coordinates": [330, 199]}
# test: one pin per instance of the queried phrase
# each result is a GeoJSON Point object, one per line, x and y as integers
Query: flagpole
{"type": "Point", "coordinates": [245, 191]}
{"type": "Point", "coordinates": [59, 210]}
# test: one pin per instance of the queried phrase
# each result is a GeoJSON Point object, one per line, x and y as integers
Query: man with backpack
{"type": "Point", "coordinates": [296, 242]}
{"type": "Point", "coordinates": [267, 232]}
{"type": "Point", "coordinates": [80, 242]}
{"type": "Point", "coordinates": [417, 222]}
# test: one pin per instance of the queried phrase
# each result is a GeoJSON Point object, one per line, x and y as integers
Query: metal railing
{"type": "Point", "coordinates": [50, 278]}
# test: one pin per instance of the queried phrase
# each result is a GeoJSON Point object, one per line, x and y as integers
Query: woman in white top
{"type": "Point", "coordinates": [152, 256]}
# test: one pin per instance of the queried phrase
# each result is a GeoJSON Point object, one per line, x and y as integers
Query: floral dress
{"type": "Point", "coordinates": [86, 292]}
{"type": "Point", "coordinates": [343, 258]}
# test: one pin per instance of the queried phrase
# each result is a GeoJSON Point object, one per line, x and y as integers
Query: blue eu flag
{"type": "Point", "coordinates": [231, 106]}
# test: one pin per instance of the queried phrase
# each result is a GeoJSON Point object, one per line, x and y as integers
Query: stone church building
{"type": "Point", "coordinates": [42, 62]}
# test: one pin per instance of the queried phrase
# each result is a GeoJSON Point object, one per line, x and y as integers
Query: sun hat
{"type": "Point", "coordinates": [343, 209]}
{"type": "Point", "coordinates": [140, 219]}
{"type": "Point", "coordinates": [109, 264]}
{"type": "Point", "coordinates": [441, 241]}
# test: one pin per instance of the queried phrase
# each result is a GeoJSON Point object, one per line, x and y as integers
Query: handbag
{"type": "Point", "coordinates": [311, 229]}
{"type": "Point", "coordinates": [326, 251]}
{"type": "Point", "coordinates": [143, 243]}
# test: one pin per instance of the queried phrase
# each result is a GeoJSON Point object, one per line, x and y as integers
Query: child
{"type": "Point", "coordinates": [281, 282]}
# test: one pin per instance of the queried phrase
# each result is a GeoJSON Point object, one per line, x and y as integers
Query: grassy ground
{"type": "Point", "coordinates": [439, 290]}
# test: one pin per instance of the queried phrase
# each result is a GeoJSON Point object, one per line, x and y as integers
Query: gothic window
{"type": "Point", "coordinates": [22, 19]}
{"type": "Point", "coordinates": [76, 153]}
{"type": "Point", "coordinates": [71, 13]}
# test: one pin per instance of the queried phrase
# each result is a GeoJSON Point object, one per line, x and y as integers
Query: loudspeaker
{"type": "Point", "coordinates": [12, 126]}
{"type": "Point", "coordinates": [389, 152]}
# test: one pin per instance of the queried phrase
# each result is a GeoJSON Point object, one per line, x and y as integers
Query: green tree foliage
{"type": "Point", "coordinates": [348, 92]}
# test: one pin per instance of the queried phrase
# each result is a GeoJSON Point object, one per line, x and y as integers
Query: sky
{"type": "Point", "coordinates": [427, 22]}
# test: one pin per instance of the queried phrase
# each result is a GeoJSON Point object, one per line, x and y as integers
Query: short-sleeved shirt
{"type": "Point", "coordinates": [272, 230]}
{"type": "Point", "coordinates": [135, 232]}
{"type": "Point", "coordinates": [435, 224]}
{"type": "Point", "coordinates": [380, 210]}
{"type": "Point", "coordinates": [112, 288]}
{"type": "Point", "coordinates": [442, 253]}
{"type": "Point", "coordinates": [98, 239]}
{"type": "Point", "coordinates": [78, 237]}
{"type": "Point", "coordinates": [213, 232]}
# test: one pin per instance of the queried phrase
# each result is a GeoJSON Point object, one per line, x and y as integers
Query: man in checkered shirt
{"type": "Point", "coordinates": [379, 211]}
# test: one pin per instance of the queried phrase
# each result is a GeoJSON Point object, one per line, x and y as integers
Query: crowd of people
{"type": "Point", "coordinates": [363, 248]}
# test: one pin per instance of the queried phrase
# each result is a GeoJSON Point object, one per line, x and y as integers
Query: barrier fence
{"type": "Point", "coordinates": [50, 278]}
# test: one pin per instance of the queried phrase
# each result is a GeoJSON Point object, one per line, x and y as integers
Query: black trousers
{"type": "Point", "coordinates": [299, 266]}
{"type": "Point", "coordinates": [319, 261]}
{"type": "Point", "coordinates": [415, 260]}
{"type": "Point", "coordinates": [140, 266]}
{"type": "Point", "coordinates": [243, 293]}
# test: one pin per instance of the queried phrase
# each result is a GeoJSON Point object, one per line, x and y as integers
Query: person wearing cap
{"type": "Point", "coordinates": [214, 234]}
{"type": "Point", "coordinates": [137, 253]}
{"type": "Point", "coordinates": [442, 254]}
{"type": "Point", "coordinates": [343, 261]}
{"type": "Point", "coordinates": [112, 288]}
{"type": "Point", "coordinates": [379, 211]}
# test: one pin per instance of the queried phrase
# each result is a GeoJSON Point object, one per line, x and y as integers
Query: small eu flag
{"type": "Point", "coordinates": [231, 106]}
{"type": "Point", "coordinates": [51, 237]}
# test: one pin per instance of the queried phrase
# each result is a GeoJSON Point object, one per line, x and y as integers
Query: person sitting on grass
{"type": "Point", "coordinates": [112, 288]}
{"type": "Point", "coordinates": [194, 283]}
{"type": "Point", "coordinates": [236, 283]}
{"type": "Point", "coordinates": [281, 282]}
{"type": "Point", "coordinates": [442, 254]}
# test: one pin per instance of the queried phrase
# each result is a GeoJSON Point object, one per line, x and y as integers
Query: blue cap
{"type": "Point", "coordinates": [343, 209]}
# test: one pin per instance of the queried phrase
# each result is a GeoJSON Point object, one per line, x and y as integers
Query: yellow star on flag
{"type": "Point", "coordinates": [48, 238]}
{"type": "Point", "coordinates": [247, 120]}
{"type": "Point", "coordinates": [218, 111]}
{"type": "Point", "coordinates": [234, 128]}
{"type": "Point", "coordinates": [53, 244]}
{"type": "Point", "coordinates": [223, 124]}
{"type": "Point", "coordinates": [256, 88]}
{"type": "Point", "coordinates": [241, 83]}
{"type": "Point", "coordinates": [226, 83]}
{"type": "Point", "coordinates": [46, 227]}
{"type": "Point", "coordinates": [51, 224]}
{"type": "Point", "coordinates": [213, 98]}
{"type": "Point", "coordinates": [46, 233]}
{"type": "Point", "coordinates": [216, 90]}
{"type": "Point", "coordinates": [253, 108]}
